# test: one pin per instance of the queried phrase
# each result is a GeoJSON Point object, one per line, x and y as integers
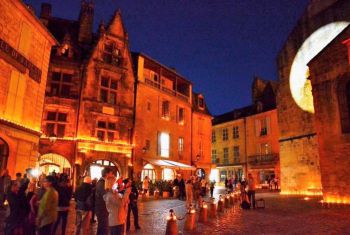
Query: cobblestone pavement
{"type": "Point", "coordinates": [282, 215]}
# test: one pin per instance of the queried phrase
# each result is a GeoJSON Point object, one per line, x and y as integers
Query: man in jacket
{"type": "Point", "coordinates": [100, 204]}
{"type": "Point", "coordinates": [83, 197]}
{"type": "Point", "coordinates": [251, 190]}
{"type": "Point", "coordinates": [133, 207]}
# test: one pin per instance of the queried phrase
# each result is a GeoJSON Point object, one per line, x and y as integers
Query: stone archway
{"type": "Point", "coordinates": [4, 154]}
{"type": "Point", "coordinates": [95, 167]}
{"type": "Point", "coordinates": [53, 162]}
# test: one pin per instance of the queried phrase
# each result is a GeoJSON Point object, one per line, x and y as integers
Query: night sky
{"type": "Point", "coordinates": [220, 45]}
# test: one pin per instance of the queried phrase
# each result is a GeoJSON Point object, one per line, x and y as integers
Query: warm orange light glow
{"type": "Point", "coordinates": [336, 200]}
{"type": "Point", "coordinates": [32, 128]}
{"type": "Point", "coordinates": [306, 198]}
{"type": "Point", "coordinates": [302, 192]}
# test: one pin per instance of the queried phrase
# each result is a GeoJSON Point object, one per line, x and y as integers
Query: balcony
{"type": "Point", "coordinates": [167, 90]}
{"type": "Point", "coordinates": [263, 160]}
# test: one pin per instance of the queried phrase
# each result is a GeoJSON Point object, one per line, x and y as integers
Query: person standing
{"type": "Point", "coordinates": [64, 196]}
{"type": "Point", "coordinates": [5, 182]}
{"type": "Point", "coordinates": [203, 187]}
{"type": "Point", "coordinates": [100, 204]}
{"type": "Point", "coordinates": [117, 205]}
{"type": "Point", "coordinates": [83, 195]}
{"type": "Point", "coordinates": [94, 182]}
{"type": "Point", "coordinates": [189, 193]}
{"type": "Point", "coordinates": [251, 190]}
{"type": "Point", "coordinates": [182, 189]}
{"type": "Point", "coordinates": [133, 207]}
{"type": "Point", "coordinates": [145, 185]}
{"type": "Point", "coordinates": [47, 213]}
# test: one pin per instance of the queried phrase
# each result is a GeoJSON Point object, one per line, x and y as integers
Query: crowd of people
{"type": "Point", "coordinates": [38, 205]}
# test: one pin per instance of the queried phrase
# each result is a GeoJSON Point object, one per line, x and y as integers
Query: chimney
{"type": "Point", "coordinates": [86, 20]}
{"type": "Point", "coordinates": [45, 10]}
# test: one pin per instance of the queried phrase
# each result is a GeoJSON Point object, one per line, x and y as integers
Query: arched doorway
{"type": "Point", "coordinates": [96, 167]}
{"type": "Point", "coordinates": [148, 170]}
{"type": "Point", "coordinates": [4, 154]}
{"type": "Point", "coordinates": [53, 162]}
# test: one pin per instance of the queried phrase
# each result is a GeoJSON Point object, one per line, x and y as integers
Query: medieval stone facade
{"type": "Point", "coordinates": [25, 46]}
{"type": "Point", "coordinates": [300, 164]}
{"type": "Point", "coordinates": [88, 114]}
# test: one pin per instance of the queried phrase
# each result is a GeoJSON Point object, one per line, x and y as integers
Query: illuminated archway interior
{"type": "Point", "coordinates": [148, 170]}
{"type": "Point", "coordinates": [300, 86]}
{"type": "Point", "coordinates": [97, 166]}
{"type": "Point", "coordinates": [53, 162]}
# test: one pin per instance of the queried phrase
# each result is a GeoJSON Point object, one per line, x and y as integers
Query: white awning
{"type": "Point", "coordinates": [169, 164]}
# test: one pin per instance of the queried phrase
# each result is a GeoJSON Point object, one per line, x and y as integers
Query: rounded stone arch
{"type": "Point", "coordinates": [11, 156]}
{"type": "Point", "coordinates": [148, 170]}
{"type": "Point", "coordinates": [53, 162]}
{"type": "Point", "coordinates": [343, 98]}
{"type": "Point", "coordinates": [98, 165]}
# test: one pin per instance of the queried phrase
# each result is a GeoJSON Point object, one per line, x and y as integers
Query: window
{"type": "Point", "coordinates": [265, 149]}
{"type": "Point", "coordinates": [148, 144]}
{"type": "Point", "coordinates": [262, 126]}
{"type": "Point", "coordinates": [154, 77]}
{"type": "Point", "coordinates": [235, 132]}
{"type": "Point", "coordinates": [236, 154]}
{"type": "Point", "coordinates": [148, 106]}
{"type": "Point", "coordinates": [226, 156]}
{"type": "Point", "coordinates": [214, 156]}
{"type": "Point", "coordinates": [60, 84]}
{"type": "Point", "coordinates": [56, 124]}
{"type": "Point", "coordinates": [148, 170]}
{"type": "Point", "coordinates": [225, 134]}
{"type": "Point", "coordinates": [111, 54]}
{"type": "Point", "coordinates": [165, 109]}
{"type": "Point", "coordinates": [213, 137]}
{"type": "Point", "coordinates": [168, 174]}
{"type": "Point", "coordinates": [108, 90]}
{"type": "Point", "coordinates": [164, 144]}
{"type": "Point", "coordinates": [201, 102]}
{"type": "Point", "coordinates": [181, 145]}
{"type": "Point", "coordinates": [106, 131]}
{"type": "Point", "coordinates": [181, 116]}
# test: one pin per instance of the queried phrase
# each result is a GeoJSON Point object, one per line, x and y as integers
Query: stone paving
{"type": "Point", "coordinates": [282, 215]}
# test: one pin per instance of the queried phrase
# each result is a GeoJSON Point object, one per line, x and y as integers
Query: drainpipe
{"type": "Point", "coordinates": [245, 147]}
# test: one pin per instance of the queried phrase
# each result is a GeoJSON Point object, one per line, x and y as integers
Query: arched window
{"type": "Point", "coordinates": [148, 170]}
{"type": "Point", "coordinates": [343, 93]}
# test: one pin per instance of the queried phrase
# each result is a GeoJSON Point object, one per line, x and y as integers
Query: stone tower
{"type": "Point", "coordinates": [86, 21]}
{"type": "Point", "coordinates": [322, 21]}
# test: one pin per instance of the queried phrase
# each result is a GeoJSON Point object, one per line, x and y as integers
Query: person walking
{"type": "Point", "coordinates": [94, 182]}
{"type": "Point", "coordinates": [5, 182]}
{"type": "Point", "coordinates": [251, 190]}
{"type": "Point", "coordinates": [64, 197]}
{"type": "Point", "coordinates": [145, 185]}
{"type": "Point", "coordinates": [203, 187]}
{"type": "Point", "coordinates": [212, 186]}
{"type": "Point", "coordinates": [196, 190]}
{"type": "Point", "coordinates": [100, 204]}
{"type": "Point", "coordinates": [117, 205]}
{"type": "Point", "coordinates": [47, 213]}
{"type": "Point", "coordinates": [83, 197]}
{"type": "Point", "coordinates": [189, 193]}
{"type": "Point", "coordinates": [133, 207]}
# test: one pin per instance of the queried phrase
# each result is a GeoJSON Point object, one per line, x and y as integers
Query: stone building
{"type": "Point", "coordinates": [246, 139]}
{"type": "Point", "coordinates": [25, 46]}
{"type": "Point", "coordinates": [330, 80]}
{"type": "Point", "coordinates": [88, 114]}
{"type": "Point", "coordinates": [172, 124]}
{"type": "Point", "coordinates": [299, 157]}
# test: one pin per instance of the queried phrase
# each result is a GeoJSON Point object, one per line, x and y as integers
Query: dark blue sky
{"type": "Point", "coordinates": [220, 45]}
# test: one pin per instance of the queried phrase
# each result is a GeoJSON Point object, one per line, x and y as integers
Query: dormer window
{"type": "Point", "coordinates": [65, 50]}
{"type": "Point", "coordinates": [111, 54]}
{"type": "Point", "coordinates": [200, 102]}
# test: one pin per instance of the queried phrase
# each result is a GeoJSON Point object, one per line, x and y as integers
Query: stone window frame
{"type": "Point", "coordinates": [57, 122]}
{"type": "Point", "coordinates": [61, 83]}
{"type": "Point", "coordinates": [213, 136]}
{"type": "Point", "coordinates": [165, 109]}
{"type": "Point", "coordinates": [225, 134]}
{"type": "Point", "coordinates": [235, 132]}
{"type": "Point", "coordinates": [343, 96]}
{"type": "Point", "coordinates": [109, 133]}
{"type": "Point", "coordinates": [181, 115]}
{"type": "Point", "coordinates": [108, 89]}
{"type": "Point", "coordinates": [236, 154]}
{"type": "Point", "coordinates": [181, 142]}
{"type": "Point", "coordinates": [201, 104]}
{"type": "Point", "coordinates": [225, 155]}
{"type": "Point", "coordinates": [111, 53]}
{"type": "Point", "coordinates": [214, 156]}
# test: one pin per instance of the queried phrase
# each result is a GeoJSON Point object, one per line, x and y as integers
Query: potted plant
{"type": "Point", "coordinates": [166, 189]}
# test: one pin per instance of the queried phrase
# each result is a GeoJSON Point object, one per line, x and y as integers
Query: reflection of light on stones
{"type": "Point", "coordinates": [299, 85]}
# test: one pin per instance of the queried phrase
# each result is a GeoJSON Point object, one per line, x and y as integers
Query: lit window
{"type": "Point", "coordinates": [60, 84]}
{"type": "Point", "coordinates": [108, 90]}
{"type": "Point", "coordinates": [181, 116]}
{"type": "Point", "coordinates": [181, 145]}
{"type": "Point", "coordinates": [168, 174]}
{"type": "Point", "coordinates": [164, 140]}
{"type": "Point", "coordinates": [56, 124]}
{"type": "Point", "coordinates": [148, 170]}
{"type": "Point", "coordinates": [225, 134]}
{"type": "Point", "coordinates": [166, 109]}
{"type": "Point", "coordinates": [106, 131]}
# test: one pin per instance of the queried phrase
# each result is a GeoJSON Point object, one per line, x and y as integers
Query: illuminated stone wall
{"type": "Point", "coordinates": [297, 131]}
{"type": "Point", "coordinates": [21, 97]}
{"type": "Point", "coordinates": [330, 73]}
